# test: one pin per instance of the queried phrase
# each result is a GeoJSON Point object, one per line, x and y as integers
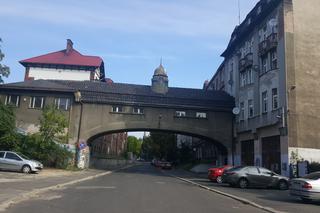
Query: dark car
{"type": "Point", "coordinates": [253, 176]}
{"type": "Point", "coordinates": [165, 165]}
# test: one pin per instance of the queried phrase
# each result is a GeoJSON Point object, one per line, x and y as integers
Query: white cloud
{"type": "Point", "coordinates": [188, 18]}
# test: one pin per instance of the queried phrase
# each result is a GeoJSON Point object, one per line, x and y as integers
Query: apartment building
{"type": "Point", "coordinates": [271, 66]}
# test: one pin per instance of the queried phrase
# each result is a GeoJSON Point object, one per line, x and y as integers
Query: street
{"type": "Point", "coordinates": [141, 188]}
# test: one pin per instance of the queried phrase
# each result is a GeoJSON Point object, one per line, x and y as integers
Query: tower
{"type": "Point", "coordinates": [160, 80]}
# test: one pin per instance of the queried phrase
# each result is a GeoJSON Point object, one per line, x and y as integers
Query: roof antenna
{"type": "Point", "coordinates": [239, 12]}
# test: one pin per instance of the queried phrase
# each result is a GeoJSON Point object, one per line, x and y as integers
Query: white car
{"type": "Point", "coordinates": [18, 162]}
{"type": "Point", "coordinates": [306, 188]}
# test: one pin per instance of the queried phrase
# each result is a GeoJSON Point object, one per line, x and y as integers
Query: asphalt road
{"type": "Point", "coordinates": [138, 189]}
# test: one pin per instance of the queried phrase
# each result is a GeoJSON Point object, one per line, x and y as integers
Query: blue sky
{"type": "Point", "coordinates": [130, 35]}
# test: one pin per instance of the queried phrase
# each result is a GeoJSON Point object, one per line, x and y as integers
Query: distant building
{"type": "Point", "coordinates": [67, 64]}
{"type": "Point", "coordinates": [110, 146]}
{"type": "Point", "coordinates": [271, 66]}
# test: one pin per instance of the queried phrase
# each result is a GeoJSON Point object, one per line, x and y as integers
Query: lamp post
{"type": "Point", "coordinates": [78, 99]}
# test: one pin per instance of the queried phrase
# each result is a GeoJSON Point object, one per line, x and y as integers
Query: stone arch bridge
{"type": "Point", "coordinates": [96, 108]}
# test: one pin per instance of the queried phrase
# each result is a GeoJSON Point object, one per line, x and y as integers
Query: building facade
{"type": "Point", "coordinates": [271, 68]}
{"type": "Point", "coordinates": [67, 64]}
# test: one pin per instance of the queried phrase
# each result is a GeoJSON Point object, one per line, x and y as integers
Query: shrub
{"type": "Point", "coordinates": [314, 167]}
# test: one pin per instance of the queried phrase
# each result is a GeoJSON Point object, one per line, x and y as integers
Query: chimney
{"type": "Point", "coordinates": [69, 46]}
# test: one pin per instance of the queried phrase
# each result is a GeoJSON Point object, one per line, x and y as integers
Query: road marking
{"type": "Point", "coordinates": [242, 200]}
{"type": "Point", "coordinates": [160, 182]}
{"type": "Point", "coordinates": [95, 187]}
{"type": "Point", "coordinates": [35, 193]}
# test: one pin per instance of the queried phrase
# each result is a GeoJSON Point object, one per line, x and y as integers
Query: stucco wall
{"type": "Point", "coordinates": [28, 118]}
{"type": "Point", "coordinates": [98, 119]}
{"type": "Point", "coordinates": [58, 74]}
{"type": "Point", "coordinates": [303, 78]}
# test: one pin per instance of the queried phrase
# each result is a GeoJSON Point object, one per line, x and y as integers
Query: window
{"type": "Point", "coordinates": [250, 108]}
{"type": "Point", "coordinates": [36, 102]}
{"type": "Point", "coordinates": [263, 34]}
{"type": "Point", "coordinates": [252, 170]}
{"type": "Point", "coordinates": [249, 76]}
{"type": "Point", "coordinates": [259, 10]}
{"type": "Point", "coordinates": [246, 77]}
{"type": "Point", "coordinates": [137, 110]}
{"type": "Point", "coordinates": [242, 111]}
{"type": "Point", "coordinates": [1, 154]}
{"type": "Point", "coordinates": [243, 79]}
{"type": "Point", "coordinates": [264, 64]}
{"type": "Point", "coordinates": [12, 156]}
{"type": "Point", "coordinates": [180, 113]}
{"type": "Point", "coordinates": [117, 109]}
{"type": "Point", "coordinates": [62, 103]}
{"type": "Point", "coordinates": [264, 102]}
{"type": "Point", "coordinates": [274, 60]}
{"type": "Point", "coordinates": [275, 98]}
{"type": "Point", "coordinates": [12, 100]}
{"type": "Point", "coordinates": [201, 115]}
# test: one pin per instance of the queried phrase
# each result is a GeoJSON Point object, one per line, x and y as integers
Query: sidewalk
{"type": "Point", "coordinates": [272, 198]}
{"type": "Point", "coordinates": [14, 184]}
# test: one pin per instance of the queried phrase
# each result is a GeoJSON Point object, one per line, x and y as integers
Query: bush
{"type": "Point", "coordinates": [314, 167]}
{"type": "Point", "coordinates": [47, 152]}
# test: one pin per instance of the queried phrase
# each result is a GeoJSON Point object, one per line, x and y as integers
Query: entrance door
{"type": "Point", "coordinates": [247, 153]}
{"type": "Point", "coordinates": [271, 154]}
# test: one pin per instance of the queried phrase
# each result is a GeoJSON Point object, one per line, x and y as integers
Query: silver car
{"type": "Point", "coordinates": [17, 162]}
{"type": "Point", "coordinates": [254, 176]}
{"type": "Point", "coordinates": [307, 187]}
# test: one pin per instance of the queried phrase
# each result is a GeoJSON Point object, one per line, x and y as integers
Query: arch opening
{"type": "Point", "coordinates": [200, 149]}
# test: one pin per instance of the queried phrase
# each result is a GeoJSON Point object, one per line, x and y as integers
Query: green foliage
{"type": "Point", "coordinates": [161, 146]}
{"type": "Point", "coordinates": [40, 146]}
{"type": "Point", "coordinates": [7, 126]}
{"type": "Point", "coordinates": [4, 70]}
{"type": "Point", "coordinates": [314, 167]}
{"type": "Point", "coordinates": [134, 145]}
{"type": "Point", "coordinates": [52, 124]}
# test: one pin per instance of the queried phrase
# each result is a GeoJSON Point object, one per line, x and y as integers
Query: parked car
{"type": "Point", "coordinates": [215, 173]}
{"type": "Point", "coordinates": [165, 165]}
{"type": "Point", "coordinates": [306, 188]}
{"type": "Point", "coordinates": [18, 162]}
{"type": "Point", "coordinates": [253, 176]}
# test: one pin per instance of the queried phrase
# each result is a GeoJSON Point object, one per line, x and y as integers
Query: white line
{"type": "Point", "coordinates": [34, 193]}
{"type": "Point", "coordinates": [242, 200]}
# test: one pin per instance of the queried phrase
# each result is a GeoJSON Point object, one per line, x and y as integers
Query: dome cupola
{"type": "Point", "coordinates": [160, 80]}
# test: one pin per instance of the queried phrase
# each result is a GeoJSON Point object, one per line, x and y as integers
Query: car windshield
{"type": "Point", "coordinates": [313, 176]}
{"type": "Point", "coordinates": [23, 156]}
{"type": "Point", "coordinates": [233, 169]}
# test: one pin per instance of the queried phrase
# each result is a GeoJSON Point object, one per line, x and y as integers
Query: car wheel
{"type": "Point", "coordinates": [26, 169]}
{"type": "Point", "coordinates": [283, 185]}
{"type": "Point", "coordinates": [243, 183]}
{"type": "Point", "coordinates": [306, 200]}
{"type": "Point", "coordinates": [219, 179]}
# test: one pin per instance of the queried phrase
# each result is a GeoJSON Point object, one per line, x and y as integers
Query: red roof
{"type": "Point", "coordinates": [73, 57]}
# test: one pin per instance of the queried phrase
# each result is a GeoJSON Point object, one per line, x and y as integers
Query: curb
{"type": "Point", "coordinates": [34, 193]}
{"type": "Point", "coordinates": [242, 200]}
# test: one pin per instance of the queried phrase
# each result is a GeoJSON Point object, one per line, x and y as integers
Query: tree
{"type": "Point", "coordinates": [161, 146]}
{"type": "Point", "coordinates": [134, 145]}
{"type": "Point", "coordinates": [52, 124]}
{"type": "Point", "coordinates": [4, 70]}
{"type": "Point", "coordinates": [7, 127]}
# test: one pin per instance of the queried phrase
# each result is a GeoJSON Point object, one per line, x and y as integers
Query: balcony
{"type": "Point", "coordinates": [270, 43]}
{"type": "Point", "coordinates": [245, 62]}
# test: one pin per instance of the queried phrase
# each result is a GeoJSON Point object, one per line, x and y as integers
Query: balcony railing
{"type": "Point", "coordinates": [245, 62]}
{"type": "Point", "coordinates": [268, 44]}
